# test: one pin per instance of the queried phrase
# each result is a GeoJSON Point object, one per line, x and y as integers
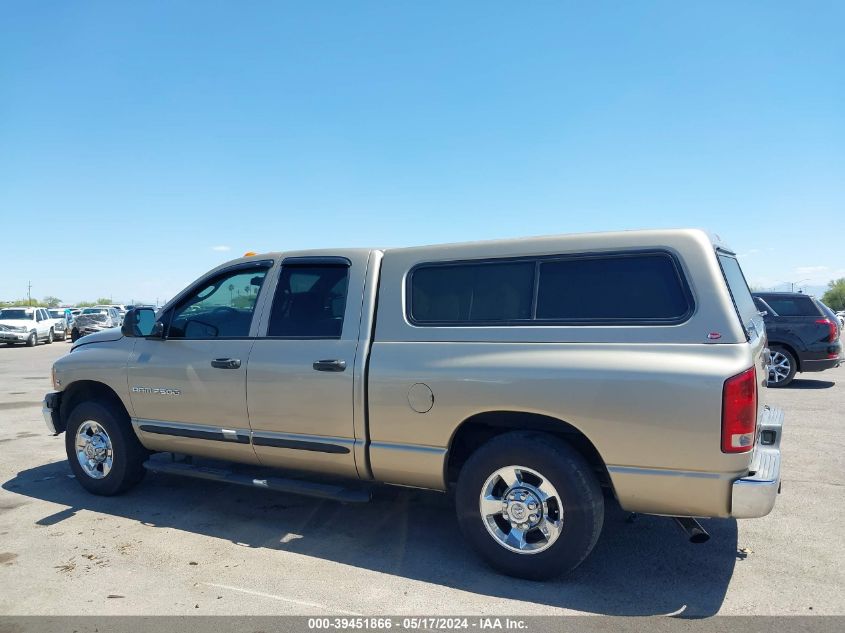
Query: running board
{"type": "Point", "coordinates": [279, 484]}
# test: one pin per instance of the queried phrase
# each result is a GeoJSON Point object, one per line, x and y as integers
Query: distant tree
{"type": "Point", "coordinates": [52, 302]}
{"type": "Point", "coordinates": [835, 295]}
{"type": "Point", "coordinates": [104, 300]}
{"type": "Point", "coordinates": [86, 304]}
{"type": "Point", "coordinates": [243, 301]}
{"type": "Point", "coordinates": [35, 303]}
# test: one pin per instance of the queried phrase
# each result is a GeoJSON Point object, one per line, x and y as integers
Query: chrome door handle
{"type": "Point", "coordinates": [226, 363]}
{"type": "Point", "coordinates": [329, 365]}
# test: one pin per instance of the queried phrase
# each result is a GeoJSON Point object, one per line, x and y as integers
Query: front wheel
{"type": "Point", "coordinates": [102, 449]}
{"type": "Point", "coordinates": [530, 505]}
{"type": "Point", "coordinates": [32, 341]}
{"type": "Point", "coordinates": [782, 367]}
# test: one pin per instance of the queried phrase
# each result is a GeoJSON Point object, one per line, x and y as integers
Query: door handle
{"type": "Point", "coordinates": [226, 363]}
{"type": "Point", "coordinates": [329, 365]}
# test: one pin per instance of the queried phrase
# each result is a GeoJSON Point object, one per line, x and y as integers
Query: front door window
{"type": "Point", "coordinates": [221, 308]}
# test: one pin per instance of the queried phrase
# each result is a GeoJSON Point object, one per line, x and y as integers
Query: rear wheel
{"type": "Point", "coordinates": [530, 505]}
{"type": "Point", "coordinates": [102, 449]}
{"type": "Point", "coordinates": [50, 336]}
{"type": "Point", "coordinates": [782, 366]}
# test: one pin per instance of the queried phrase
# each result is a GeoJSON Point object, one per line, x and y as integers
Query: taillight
{"type": "Point", "coordinates": [739, 412]}
{"type": "Point", "coordinates": [831, 329]}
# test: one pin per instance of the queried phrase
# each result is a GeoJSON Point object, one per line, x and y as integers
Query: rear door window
{"type": "Point", "coordinates": [790, 306]}
{"type": "Point", "coordinates": [310, 302]}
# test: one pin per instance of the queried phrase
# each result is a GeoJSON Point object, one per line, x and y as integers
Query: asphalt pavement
{"type": "Point", "coordinates": [174, 546]}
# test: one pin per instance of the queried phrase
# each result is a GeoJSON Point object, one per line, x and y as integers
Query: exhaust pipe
{"type": "Point", "coordinates": [693, 529]}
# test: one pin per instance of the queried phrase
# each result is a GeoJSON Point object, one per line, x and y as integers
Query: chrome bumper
{"type": "Point", "coordinates": [50, 411]}
{"type": "Point", "coordinates": [754, 496]}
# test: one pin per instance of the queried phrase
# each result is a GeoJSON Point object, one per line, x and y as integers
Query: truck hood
{"type": "Point", "coordinates": [103, 336]}
{"type": "Point", "coordinates": [92, 318]}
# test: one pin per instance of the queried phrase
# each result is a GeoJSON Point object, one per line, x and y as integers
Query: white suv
{"type": "Point", "coordinates": [26, 325]}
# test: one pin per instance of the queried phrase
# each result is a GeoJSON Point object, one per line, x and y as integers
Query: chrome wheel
{"type": "Point", "coordinates": [94, 449]}
{"type": "Point", "coordinates": [780, 367]}
{"type": "Point", "coordinates": [521, 509]}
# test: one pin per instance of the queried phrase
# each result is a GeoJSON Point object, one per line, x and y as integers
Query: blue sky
{"type": "Point", "coordinates": [143, 143]}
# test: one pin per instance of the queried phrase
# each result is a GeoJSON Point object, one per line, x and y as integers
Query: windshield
{"type": "Point", "coordinates": [25, 315]}
{"type": "Point", "coordinates": [93, 311]}
{"type": "Point", "coordinates": [58, 314]}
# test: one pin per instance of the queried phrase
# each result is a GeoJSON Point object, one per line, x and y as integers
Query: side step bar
{"type": "Point", "coordinates": [279, 484]}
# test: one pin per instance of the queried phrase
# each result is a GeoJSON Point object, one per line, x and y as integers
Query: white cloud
{"type": "Point", "coordinates": [811, 270]}
{"type": "Point", "coordinates": [222, 248]}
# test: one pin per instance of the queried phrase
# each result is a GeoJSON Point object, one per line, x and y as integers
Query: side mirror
{"type": "Point", "coordinates": [141, 322]}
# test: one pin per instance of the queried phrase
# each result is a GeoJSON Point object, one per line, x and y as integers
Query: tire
{"type": "Point", "coordinates": [121, 453]}
{"type": "Point", "coordinates": [577, 504]}
{"type": "Point", "coordinates": [32, 341]}
{"type": "Point", "coordinates": [783, 367]}
{"type": "Point", "coordinates": [50, 336]}
{"type": "Point", "coordinates": [74, 335]}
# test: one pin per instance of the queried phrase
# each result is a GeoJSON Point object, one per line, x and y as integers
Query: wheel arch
{"type": "Point", "coordinates": [84, 390]}
{"type": "Point", "coordinates": [791, 349]}
{"type": "Point", "coordinates": [481, 427]}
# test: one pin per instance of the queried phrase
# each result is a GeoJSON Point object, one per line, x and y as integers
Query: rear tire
{"type": "Point", "coordinates": [556, 536]}
{"type": "Point", "coordinates": [50, 336]}
{"type": "Point", "coordinates": [102, 449]}
{"type": "Point", "coordinates": [783, 367]}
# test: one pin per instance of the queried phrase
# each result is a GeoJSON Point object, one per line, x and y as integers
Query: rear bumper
{"type": "Point", "coordinates": [754, 495]}
{"type": "Point", "coordinates": [50, 411]}
{"type": "Point", "coordinates": [820, 365]}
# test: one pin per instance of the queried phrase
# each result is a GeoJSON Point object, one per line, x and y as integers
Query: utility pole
{"type": "Point", "coordinates": [29, 292]}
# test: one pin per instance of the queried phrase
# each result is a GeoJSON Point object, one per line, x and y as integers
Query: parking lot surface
{"type": "Point", "coordinates": [181, 546]}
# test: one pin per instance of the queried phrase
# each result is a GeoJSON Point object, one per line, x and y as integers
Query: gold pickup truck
{"type": "Point", "coordinates": [532, 376]}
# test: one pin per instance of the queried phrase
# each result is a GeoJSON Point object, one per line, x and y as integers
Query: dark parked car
{"type": "Point", "coordinates": [803, 335]}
